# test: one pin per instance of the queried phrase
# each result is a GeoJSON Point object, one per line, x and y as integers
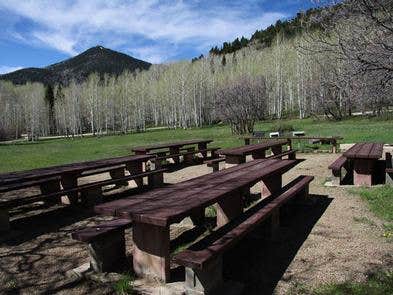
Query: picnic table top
{"type": "Point", "coordinates": [294, 137]}
{"type": "Point", "coordinates": [365, 150]}
{"type": "Point", "coordinates": [148, 148]}
{"type": "Point", "coordinates": [249, 149]}
{"type": "Point", "coordinates": [21, 176]}
{"type": "Point", "coordinates": [171, 204]}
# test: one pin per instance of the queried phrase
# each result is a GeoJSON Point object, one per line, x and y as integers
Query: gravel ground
{"type": "Point", "coordinates": [324, 241]}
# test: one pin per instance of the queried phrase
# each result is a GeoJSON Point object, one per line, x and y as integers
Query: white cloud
{"type": "Point", "coordinates": [70, 26]}
{"type": "Point", "coordinates": [8, 69]}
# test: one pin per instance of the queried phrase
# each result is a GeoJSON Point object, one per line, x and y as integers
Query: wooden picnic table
{"type": "Point", "coordinates": [238, 155]}
{"type": "Point", "coordinates": [173, 147]}
{"type": "Point", "coordinates": [328, 139]}
{"type": "Point", "coordinates": [68, 174]}
{"type": "Point", "coordinates": [153, 212]}
{"type": "Point", "coordinates": [364, 157]}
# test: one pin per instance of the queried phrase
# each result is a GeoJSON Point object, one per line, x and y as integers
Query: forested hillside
{"type": "Point", "coordinates": [94, 60]}
{"type": "Point", "coordinates": [343, 67]}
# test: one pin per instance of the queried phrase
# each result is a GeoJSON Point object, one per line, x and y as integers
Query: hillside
{"type": "Point", "coordinates": [96, 59]}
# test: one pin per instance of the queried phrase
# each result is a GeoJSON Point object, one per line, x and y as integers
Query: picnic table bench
{"type": "Point", "coordinates": [153, 212]}
{"type": "Point", "coordinates": [173, 148]}
{"type": "Point", "coordinates": [333, 140]}
{"type": "Point", "coordinates": [237, 155]}
{"type": "Point", "coordinates": [61, 182]}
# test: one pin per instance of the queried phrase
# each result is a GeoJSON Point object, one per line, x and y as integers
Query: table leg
{"type": "Point", "coordinates": [69, 181]}
{"type": "Point", "coordinates": [231, 160]}
{"type": "Point", "coordinates": [118, 173]}
{"type": "Point", "coordinates": [229, 208]}
{"type": "Point", "coordinates": [246, 141]}
{"type": "Point", "coordinates": [259, 155]}
{"type": "Point", "coordinates": [363, 172]}
{"type": "Point", "coordinates": [189, 158]}
{"type": "Point", "coordinates": [203, 146]}
{"type": "Point", "coordinates": [151, 256]}
{"type": "Point", "coordinates": [277, 150]}
{"type": "Point", "coordinates": [270, 185]}
{"type": "Point", "coordinates": [136, 168]}
{"type": "Point", "coordinates": [175, 151]}
{"type": "Point", "coordinates": [49, 187]}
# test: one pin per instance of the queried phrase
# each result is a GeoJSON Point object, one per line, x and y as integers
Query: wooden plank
{"type": "Point", "coordinates": [175, 207]}
{"type": "Point", "coordinates": [365, 151]}
{"type": "Point", "coordinates": [198, 254]}
{"type": "Point", "coordinates": [95, 232]}
{"type": "Point", "coordinates": [337, 164]}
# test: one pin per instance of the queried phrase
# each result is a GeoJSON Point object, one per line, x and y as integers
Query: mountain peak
{"type": "Point", "coordinates": [97, 59]}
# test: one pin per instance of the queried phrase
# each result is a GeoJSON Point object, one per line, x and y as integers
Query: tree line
{"type": "Point", "coordinates": [345, 67]}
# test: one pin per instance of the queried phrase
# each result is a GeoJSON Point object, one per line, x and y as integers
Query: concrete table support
{"type": "Point", "coordinates": [151, 255]}
{"type": "Point", "coordinates": [363, 172]}
{"type": "Point", "coordinates": [229, 208]}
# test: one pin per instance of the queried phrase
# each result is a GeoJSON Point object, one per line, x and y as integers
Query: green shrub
{"type": "Point", "coordinates": [282, 127]}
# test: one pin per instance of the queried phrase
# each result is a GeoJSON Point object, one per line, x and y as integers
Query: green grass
{"type": "Point", "coordinates": [23, 156]}
{"type": "Point", "coordinates": [378, 283]}
{"type": "Point", "coordinates": [125, 285]}
{"type": "Point", "coordinates": [380, 202]}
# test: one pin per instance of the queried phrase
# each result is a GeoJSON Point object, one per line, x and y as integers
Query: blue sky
{"type": "Point", "coordinates": [36, 33]}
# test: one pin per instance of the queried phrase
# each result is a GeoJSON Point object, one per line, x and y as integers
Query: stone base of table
{"type": "Point", "coordinates": [270, 185]}
{"type": "Point", "coordinates": [363, 172]}
{"type": "Point", "coordinates": [4, 220]}
{"type": "Point", "coordinates": [108, 253]}
{"type": "Point", "coordinates": [51, 187]}
{"type": "Point", "coordinates": [151, 251]}
{"type": "Point", "coordinates": [229, 208]}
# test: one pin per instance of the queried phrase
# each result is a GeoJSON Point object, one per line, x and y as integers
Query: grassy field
{"type": "Point", "coordinates": [22, 156]}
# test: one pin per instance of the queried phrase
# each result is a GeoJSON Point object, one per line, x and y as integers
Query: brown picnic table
{"type": "Point", "coordinates": [364, 157]}
{"type": "Point", "coordinates": [173, 147]}
{"type": "Point", "coordinates": [333, 140]}
{"type": "Point", "coordinates": [153, 212]}
{"type": "Point", "coordinates": [237, 155]}
{"type": "Point", "coordinates": [49, 178]}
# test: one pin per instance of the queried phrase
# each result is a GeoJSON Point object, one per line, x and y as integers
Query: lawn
{"type": "Point", "coordinates": [22, 156]}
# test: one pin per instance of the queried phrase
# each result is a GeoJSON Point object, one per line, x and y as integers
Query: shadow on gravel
{"type": "Point", "coordinates": [259, 262]}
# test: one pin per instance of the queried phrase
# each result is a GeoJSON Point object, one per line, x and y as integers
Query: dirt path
{"type": "Point", "coordinates": [323, 242]}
